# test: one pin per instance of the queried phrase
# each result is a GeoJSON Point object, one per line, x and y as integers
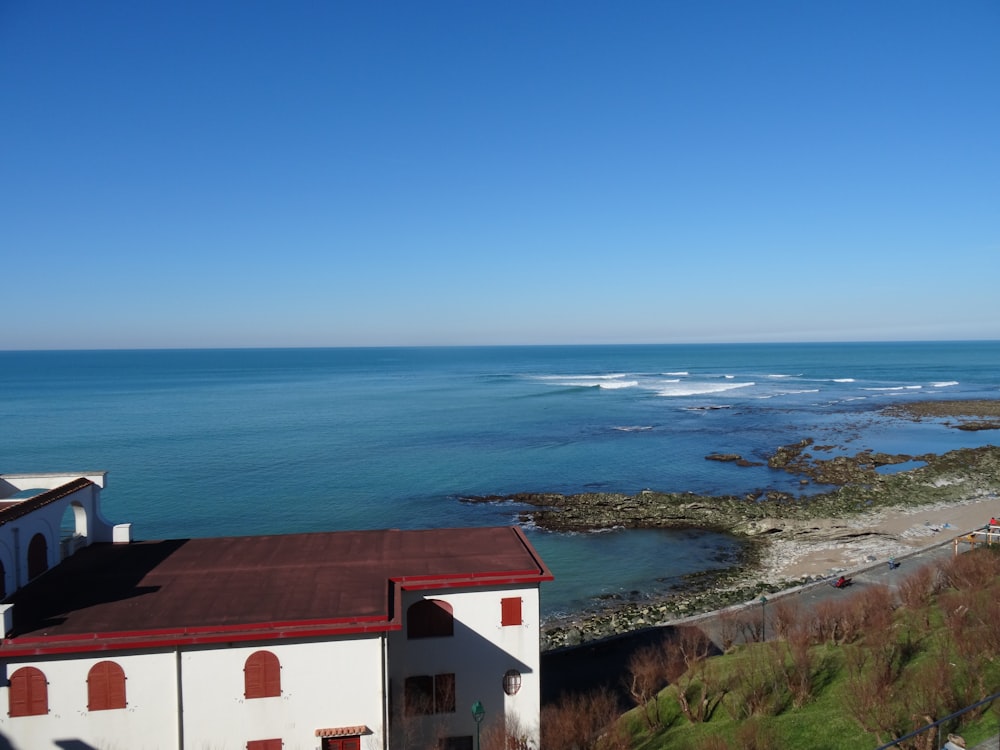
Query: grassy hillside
{"type": "Point", "coordinates": [854, 672]}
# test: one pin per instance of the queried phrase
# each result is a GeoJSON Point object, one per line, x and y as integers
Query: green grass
{"type": "Point", "coordinates": [929, 649]}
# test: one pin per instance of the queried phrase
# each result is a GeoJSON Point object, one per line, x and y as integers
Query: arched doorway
{"type": "Point", "coordinates": [72, 529]}
{"type": "Point", "coordinates": [38, 556]}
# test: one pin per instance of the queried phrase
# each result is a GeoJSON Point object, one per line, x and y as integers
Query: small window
{"type": "Point", "coordinates": [429, 694]}
{"type": "Point", "coordinates": [262, 675]}
{"type": "Point", "coordinates": [430, 618]}
{"type": "Point", "coordinates": [29, 693]}
{"type": "Point", "coordinates": [418, 695]}
{"type": "Point", "coordinates": [105, 686]}
{"type": "Point", "coordinates": [264, 744]}
{"type": "Point", "coordinates": [462, 742]}
{"type": "Point", "coordinates": [444, 694]}
{"type": "Point", "coordinates": [510, 611]}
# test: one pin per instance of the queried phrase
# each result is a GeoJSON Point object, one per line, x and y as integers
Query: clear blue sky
{"type": "Point", "coordinates": [239, 173]}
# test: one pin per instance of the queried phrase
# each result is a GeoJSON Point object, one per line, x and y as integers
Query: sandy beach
{"type": "Point", "coordinates": [847, 544]}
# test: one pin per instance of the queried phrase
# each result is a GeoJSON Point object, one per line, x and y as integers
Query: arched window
{"type": "Point", "coordinates": [262, 675]}
{"type": "Point", "coordinates": [105, 686]}
{"type": "Point", "coordinates": [430, 618]}
{"type": "Point", "coordinates": [38, 556]}
{"type": "Point", "coordinates": [29, 693]}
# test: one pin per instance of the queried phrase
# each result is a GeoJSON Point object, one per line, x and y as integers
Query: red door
{"type": "Point", "coordinates": [341, 743]}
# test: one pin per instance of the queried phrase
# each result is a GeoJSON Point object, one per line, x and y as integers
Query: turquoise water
{"type": "Point", "coordinates": [211, 442]}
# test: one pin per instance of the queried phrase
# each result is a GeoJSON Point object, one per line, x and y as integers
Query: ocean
{"type": "Point", "coordinates": [262, 441]}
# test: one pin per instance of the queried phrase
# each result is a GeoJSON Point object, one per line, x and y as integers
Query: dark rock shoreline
{"type": "Point", "coordinates": [758, 517]}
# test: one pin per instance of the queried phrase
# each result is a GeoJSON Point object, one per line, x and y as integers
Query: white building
{"type": "Point", "coordinates": [357, 640]}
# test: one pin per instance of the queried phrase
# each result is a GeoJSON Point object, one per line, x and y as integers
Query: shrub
{"type": "Point", "coordinates": [582, 722]}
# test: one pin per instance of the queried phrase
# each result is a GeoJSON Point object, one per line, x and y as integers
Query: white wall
{"type": "Point", "coordinates": [147, 722]}
{"type": "Point", "coordinates": [479, 654]}
{"type": "Point", "coordinates": [326, 684]}
{"type": "Point", "coordinates": [12, 483]}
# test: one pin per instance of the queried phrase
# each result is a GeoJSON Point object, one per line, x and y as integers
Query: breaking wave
{"type": "Point", "coordinates": [700, 389]}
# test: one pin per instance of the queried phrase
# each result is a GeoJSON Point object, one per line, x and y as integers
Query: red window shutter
{"type": "Point", "coordinates": [510, 611]}
{"type": "Point", "coordinates": [105, 686]}
{"type": "Point", "coordinates": [29, 693]}
{"type": "Point", "coordinates": [264, 744]}
{"type": "Point", "coordinates": [262, 675]}
{"type": "Point", "coordinates": [430, 618]}
{"type": "Point", "coordinates": [18, 694]}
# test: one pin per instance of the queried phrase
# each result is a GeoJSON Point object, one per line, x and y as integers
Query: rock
{"type": "Point", "coordinates": [723, 457]}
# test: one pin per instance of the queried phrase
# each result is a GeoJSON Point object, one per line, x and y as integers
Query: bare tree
{"type": "Point", "coordinates": [686, 668]}
{"type": "Point", "coordinates": [648, 673]}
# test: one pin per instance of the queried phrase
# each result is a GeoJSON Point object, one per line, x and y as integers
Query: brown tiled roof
{"type": "Point", "coordinates": [13, 511]}
{"type": "Point", "coordinates": [234, 588]}
{"type": "Point", "coordinates": [343, 731]}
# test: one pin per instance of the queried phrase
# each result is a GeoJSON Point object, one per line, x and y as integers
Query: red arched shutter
{"type": "Point", "coordinates": [29, 693]}
{"type": "Point", "coordinates": [262, 675]}
{"type": "Point", "coordinates": [105, 686]}
{"type": "Point", "coordinates": [430, 618]}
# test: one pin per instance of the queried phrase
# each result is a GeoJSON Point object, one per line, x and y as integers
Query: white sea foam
{"type": "Point", "coordinates": [604, 376]}
{"type": "Point", "coordinates": [615, 384]}
{"type": "Point", "coordinates": [698, 389]}
{"type": "Point", "coordinates": [633, 428]}
{"type": "Point", "coordinates": [945, 383]}
{"type": "Point", "coordinates": [843, 380]}
{"type": "Point", "coordinates": [895, 388]}
{"type": "Point", "coordinates": [610, 380]}
{"type": "Point", "coordinates": [780, 375]}
{"type": "Point", "coordinates": [682, 373]}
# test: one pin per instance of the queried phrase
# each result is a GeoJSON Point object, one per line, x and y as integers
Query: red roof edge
{"type": "Point", "coordinates": [47, 645]}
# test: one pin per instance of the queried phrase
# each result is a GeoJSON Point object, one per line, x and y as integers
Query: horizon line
{"type": "Point", "coordinates": [318, 347]}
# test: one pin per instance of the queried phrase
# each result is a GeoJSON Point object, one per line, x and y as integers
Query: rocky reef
{"type": "Point", "coordinates": [961, 415]}
{"type": "Point", "coordinates": [759, 517]}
